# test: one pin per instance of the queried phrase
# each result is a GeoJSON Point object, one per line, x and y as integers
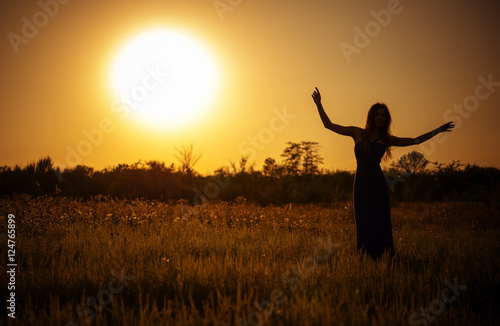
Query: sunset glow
{"type": "Point", "coordinates": [156, 75]}
{"type": "Point", "coordinates": [163, 79]}
{"type": "Point", "coordinates": [250, 162]}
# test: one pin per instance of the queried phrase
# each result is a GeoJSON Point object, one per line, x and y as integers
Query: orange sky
{"type": "Point", "coordinates": [429, 61]}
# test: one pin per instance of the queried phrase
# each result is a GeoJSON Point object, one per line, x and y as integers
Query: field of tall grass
{"type": "Point", "coordinates": [141, 262]}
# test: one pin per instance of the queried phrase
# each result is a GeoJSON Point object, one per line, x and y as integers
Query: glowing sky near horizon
{"type": "Point", "coordinates": [429, 61]}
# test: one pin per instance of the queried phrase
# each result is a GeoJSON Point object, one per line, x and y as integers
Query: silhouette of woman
{"type": "Point", "coordinates": [372, 211]}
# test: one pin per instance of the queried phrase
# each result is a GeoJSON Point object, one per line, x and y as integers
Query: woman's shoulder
{"type": "Point", "coordinates": [358, 134]}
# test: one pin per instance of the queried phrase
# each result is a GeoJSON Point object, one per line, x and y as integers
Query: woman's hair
{"type": "Point", "coordinates": [385, 130]}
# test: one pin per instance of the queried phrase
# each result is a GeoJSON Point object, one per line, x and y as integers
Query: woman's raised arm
{"type": "Point", "coordinates": [342, 130]}
{"type": "Point", "coordinates": [401, 142]}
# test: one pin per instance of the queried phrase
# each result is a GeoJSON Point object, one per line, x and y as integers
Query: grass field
{"type": "Point", "coordinates": [112, 262]}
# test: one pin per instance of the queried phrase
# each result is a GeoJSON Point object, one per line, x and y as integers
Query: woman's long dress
{"type": "Point", "coordinates": [372, 210]}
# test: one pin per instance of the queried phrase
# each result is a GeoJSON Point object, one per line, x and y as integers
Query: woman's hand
{"type": "Point", "coordinates": [316, 96]}
{"type": "Point", "coordinates": [446, 127]}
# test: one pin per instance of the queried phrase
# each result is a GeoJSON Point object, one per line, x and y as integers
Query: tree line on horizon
{"type": "Point", "coordinates": [297, 178]}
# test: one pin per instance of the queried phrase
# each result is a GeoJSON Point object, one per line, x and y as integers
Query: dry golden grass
{"type": "Point", "coordinates": [152, 263]}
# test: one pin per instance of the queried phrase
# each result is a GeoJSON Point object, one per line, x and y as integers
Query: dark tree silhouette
{"type": "Point", "coordinates": [187, 159]}
{"type": "Point", "coordinates": [242, 166]}
{"type": "Point", "coordinates": [409, 164]}
{"type": "Point", "coordinates": [311, 158]}
{"type": "Point", "coordinates": [270, 168]}
{"type": "Point", "coordinates": [292, 158]}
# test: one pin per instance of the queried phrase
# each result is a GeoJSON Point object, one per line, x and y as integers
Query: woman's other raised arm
{"type": "Point", "coordinates": [342, 130]}
{"type": "Point", "coordinates": [401, 142]}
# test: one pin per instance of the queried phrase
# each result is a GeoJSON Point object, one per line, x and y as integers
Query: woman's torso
{"type": "Point", "coordinates": [369, 154]}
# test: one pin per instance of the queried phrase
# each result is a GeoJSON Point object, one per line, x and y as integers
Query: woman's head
{"type": "Point", "coordinates": [379, 118]}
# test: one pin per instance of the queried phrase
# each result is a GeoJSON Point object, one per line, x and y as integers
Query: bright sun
{"type": "Point", "coordinates": [163, 78]}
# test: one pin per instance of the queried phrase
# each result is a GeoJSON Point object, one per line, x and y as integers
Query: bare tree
{"type": "Point", "coordinates": [187, 158]}
{"type": "Point", "coordinates": [243, 166]}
